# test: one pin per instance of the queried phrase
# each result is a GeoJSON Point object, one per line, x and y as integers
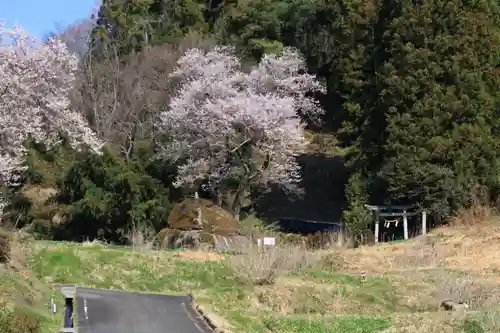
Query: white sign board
{"type": "Point", "coordinates": [266, 241]}
{"type": "Point", "coordinates": [269, 241]}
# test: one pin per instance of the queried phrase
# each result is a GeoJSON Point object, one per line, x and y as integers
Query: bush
{"type": "Point", "coordinates": [95, 196]}
{"type": "Point", "coordinates": [106, 196]}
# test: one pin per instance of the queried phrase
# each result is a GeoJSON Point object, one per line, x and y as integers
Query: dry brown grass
{"type": "Point", "coordinates": [263, 265]}
{"type": "Point", "coordinates": [291, 296]}
{"type": "Point", "coordinates": [425, 322]}
{"type": "Point", "coordinates": [460, 262]}
{"type": "Point", "coordinates": [474, 248]}
{"type": "Point", "coordinates": [141, 238]}
{"type": "Point", "coordinates": [15, 249]}
{"type": "Point", "coordinates": [477, 214]}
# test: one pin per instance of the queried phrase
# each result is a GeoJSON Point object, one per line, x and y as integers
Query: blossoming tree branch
{"type": "Point", "coordinates": [35, 81]}
{"type": "Point", "coordinates": [231, 129]}
{"type": "Point", "coordinates": [227, 129]}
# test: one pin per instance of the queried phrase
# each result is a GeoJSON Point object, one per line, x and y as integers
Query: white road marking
{"type": "Point", "coordinates": [85, 309]}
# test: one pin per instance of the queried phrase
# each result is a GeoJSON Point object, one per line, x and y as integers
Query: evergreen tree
{"type": "Point", "coordinates": [428, 110]}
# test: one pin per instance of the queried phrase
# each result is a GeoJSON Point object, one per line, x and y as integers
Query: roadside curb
{"type": "Point", "coordinates": [203, 316]}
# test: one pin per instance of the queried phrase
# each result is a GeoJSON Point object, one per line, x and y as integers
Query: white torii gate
{"type": "Point", "coordinates": [397, 211]}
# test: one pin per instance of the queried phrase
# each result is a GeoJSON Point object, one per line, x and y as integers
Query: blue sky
{"type": "Point", "coordinates": [38, 17]}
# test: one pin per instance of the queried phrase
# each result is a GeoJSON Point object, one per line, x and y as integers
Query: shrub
{"type": "Point", "coordinates": [95, 196]}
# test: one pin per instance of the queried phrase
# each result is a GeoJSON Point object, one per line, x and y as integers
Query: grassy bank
{"type": "Point", "coordinates": [306, 300]}
{"type": "Point", "coordinates": [24, 299]}
{"type": "Point", "coordinates": [289, 290]}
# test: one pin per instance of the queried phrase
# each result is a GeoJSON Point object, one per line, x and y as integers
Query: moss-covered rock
{"type": "Point", "coordinates": [215, 220]}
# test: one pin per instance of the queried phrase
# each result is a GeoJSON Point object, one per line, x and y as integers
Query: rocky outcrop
{"type": "Point", "coordinates": [216, 229]}
{"type": "Point", "coordinates": [214, 219]}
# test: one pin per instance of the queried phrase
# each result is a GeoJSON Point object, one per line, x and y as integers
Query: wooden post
{"type": "Point", "coordinates": [377, 225]}
{"type": "Point", "coordinates": [405, 224]}
{"type": "Point", "coordinates": [424, 222]}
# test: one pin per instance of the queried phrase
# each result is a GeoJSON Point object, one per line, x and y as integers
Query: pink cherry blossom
{"type": "Point", "coordinates": [225, 123]}
{"type": "Point", "coordinates": [35, 81]}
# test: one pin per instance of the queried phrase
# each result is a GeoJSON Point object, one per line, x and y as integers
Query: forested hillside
{"type": "Point", "coordinates": [304, 107]}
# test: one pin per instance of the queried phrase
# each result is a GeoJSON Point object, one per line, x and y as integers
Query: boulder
{"type": "Point", "coordinates": [184, 230]}
{"type": "Point", "coordinates": [200, 239]}
{"type": "Point", "coordinates": [215, 220]}
{"type": "Point", "coordinates": [191, 239]}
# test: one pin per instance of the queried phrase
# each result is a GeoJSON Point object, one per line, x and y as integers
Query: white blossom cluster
{"type": "Point", "coordinates": [224, 121]}
{"type": "Point", "coordinates": [35, 82]}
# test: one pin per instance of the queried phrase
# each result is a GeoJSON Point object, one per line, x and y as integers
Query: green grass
{"type": "Point", "coordinates": [311, 300]}
{"type": "Point", "coordinates": [120, 268]}
{"type": "Point", "coordinates": [378, 291]}
{"type": "Point", "coordinates": [338, 325]}
{"type": "Point", "coordinates": [25, 301]}
{"type": "Point", "coordinates": [98, 266]}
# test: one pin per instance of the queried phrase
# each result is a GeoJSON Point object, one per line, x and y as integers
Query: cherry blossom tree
{"type": "Point", "coordinates": [35, 81]}
{"type": "Point", "coordinates": [231, 129]}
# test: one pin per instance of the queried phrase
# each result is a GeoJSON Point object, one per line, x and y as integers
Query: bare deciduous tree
{"type": "Point", "coordinates": [122, 97]}
{"type": "Point", "coordinates": [76, 36]}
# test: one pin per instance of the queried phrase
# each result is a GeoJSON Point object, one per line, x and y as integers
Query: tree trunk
{"type": "Point", "coordinates": [236, 205]}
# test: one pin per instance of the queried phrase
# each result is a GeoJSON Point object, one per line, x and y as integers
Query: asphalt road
{"type": "Point", "coordinates": [106, 311]}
